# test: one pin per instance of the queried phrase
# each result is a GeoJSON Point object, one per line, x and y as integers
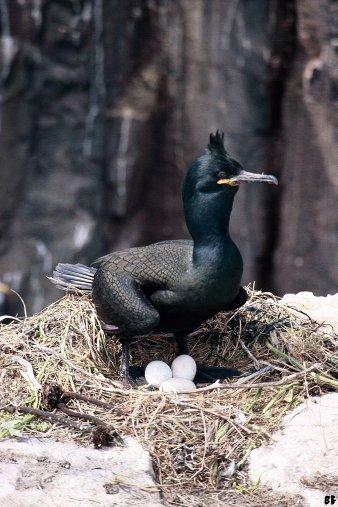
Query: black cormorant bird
{"type": "Point", "coordinates": [174, 286]}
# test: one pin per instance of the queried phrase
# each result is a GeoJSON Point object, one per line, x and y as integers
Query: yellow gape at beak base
{"type": "Point", "coordinates": [232, 183]}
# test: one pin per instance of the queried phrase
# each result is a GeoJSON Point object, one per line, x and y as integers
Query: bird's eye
{"type": "Point", "coordinates": [222, 175]}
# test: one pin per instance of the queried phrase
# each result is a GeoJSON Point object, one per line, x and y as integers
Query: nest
{"type": "Point", "coordinates": [199, 442]}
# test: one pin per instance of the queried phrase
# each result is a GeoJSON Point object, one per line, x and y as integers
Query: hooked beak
{"type": "Point", "coordinates": [251, 177]}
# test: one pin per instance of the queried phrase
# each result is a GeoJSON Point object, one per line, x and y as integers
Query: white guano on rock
{"type": "Point", "coordinates": [303, 456]}
{"type": "Point", "coordinates": [45, 472]}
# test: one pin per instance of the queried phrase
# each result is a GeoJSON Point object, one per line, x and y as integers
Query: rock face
{"type": "Point", "coordinates": [303, 458]}
{"type": "Point", "coordinates": [42, 471]}
{"type": "Point", "coordinates": [307, 251]}
{"type": "Point", "coordinates": [103, 105]}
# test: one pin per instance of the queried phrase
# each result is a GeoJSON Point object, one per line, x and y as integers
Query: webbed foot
{"type": "Point", "coordinates": [128, 381]}
{"type": "Point", "coordinates": [205, 373]}
{"type": "Point", "coordinates": [212, 373]}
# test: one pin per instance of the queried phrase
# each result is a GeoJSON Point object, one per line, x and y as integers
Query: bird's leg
{"type": "Point", "coordinates": [127, 379]}
{"type": "Point", "coordinates": [204, 373]}
{"type": "Point", "coordinates": [181, 342]}
{"type": "Point", "coordinates": [124, 368]}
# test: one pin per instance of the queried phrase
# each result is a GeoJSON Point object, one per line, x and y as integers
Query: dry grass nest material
{"type": "Point", "coordinates": [198, 441]}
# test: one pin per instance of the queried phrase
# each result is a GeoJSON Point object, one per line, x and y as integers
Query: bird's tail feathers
{"type": "Point", "coordinates": [73, 277]}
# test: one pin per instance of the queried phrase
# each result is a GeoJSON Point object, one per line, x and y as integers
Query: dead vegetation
{"type": "Point", "coordinates": [198, 441]}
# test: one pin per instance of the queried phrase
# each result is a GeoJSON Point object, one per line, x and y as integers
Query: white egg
{"type": "Point", "coordinates": [156, 372]}
{"type": "Point", "coordinates": [184, 366]}
{"type": "Point", "coordinates": [177, 385]}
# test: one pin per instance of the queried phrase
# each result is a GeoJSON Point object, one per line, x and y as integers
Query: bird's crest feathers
{"type": "Point", "coordinates": [216, 145]}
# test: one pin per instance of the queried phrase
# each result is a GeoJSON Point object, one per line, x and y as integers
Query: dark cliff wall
{"type": "Point", "coordinates": [307, 250]}
{"type": "Point", "coordinates": [105, 102]}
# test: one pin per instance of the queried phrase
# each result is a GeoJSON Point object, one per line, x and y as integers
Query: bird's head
{"type": "Point", "coordinates": [210, 185]}
{"type": "Point", "coordinates": [215, 171]}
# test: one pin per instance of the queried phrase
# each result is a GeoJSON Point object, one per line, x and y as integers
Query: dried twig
{"type": "Point", "coordinates": [256, 374]}
{"type": "Point", "coordinates": [211, 412]}
{"type": "Point", "coordinates": [49, 416]}
{"type": "Point", "coordinates": [255, 361]}
{"type": "Point", "coordinates": [88, 399]}
{"type": "Point", "coordinates": [80, 415]}
{"type": "Point", "coordinates": [53, 394]}
{"type": "Point", "coordinates": [66, 361]}
{"type": "Point", "coordinates": [257, 385]}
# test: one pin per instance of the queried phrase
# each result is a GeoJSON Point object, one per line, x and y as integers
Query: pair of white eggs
{"type": "Point", "coordinates": [175, 379]}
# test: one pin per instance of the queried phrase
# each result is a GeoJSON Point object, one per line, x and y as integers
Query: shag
{"type": "Point", "coordinates": [174, 286]}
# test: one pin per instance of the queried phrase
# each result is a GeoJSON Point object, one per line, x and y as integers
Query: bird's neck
{"type": "Point", "coordinates": [208, 224]}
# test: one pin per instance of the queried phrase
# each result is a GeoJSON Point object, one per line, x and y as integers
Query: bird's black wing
{"type": "Point", "coordinates": [239, 300]}
{"type": "Point", "coordinates": [124, 279]}
{"type": "Point", "coordinates": [184, 243]}
{"type": "Point", "coordinates": [120, 301]}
